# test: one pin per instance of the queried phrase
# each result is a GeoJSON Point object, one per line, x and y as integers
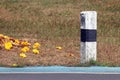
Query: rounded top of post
{"type": "Point", "coordinates": [89, 12]}
{"type": "Point", "coordinates": [88, 20]}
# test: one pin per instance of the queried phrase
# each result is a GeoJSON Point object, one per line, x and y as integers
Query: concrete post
{"type": "Point", "coordinates": [88, 36]}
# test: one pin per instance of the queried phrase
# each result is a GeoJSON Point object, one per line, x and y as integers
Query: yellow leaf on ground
{"type": "Point", "coordinates": [25, 43]}
{"type": "Point", "coordinates": [35, 51]}
{"type": "Point", "coordinates": [17, 42]}
{"type": "Point", "coordinates": [59, 47]}
{"type": "Point", "coordinates": [6, 37]}
{"type": "Point", "coordinates": [36, 45]}
{"type": "Point", "coordinates": [8, 45]}
{"type": "Point", "coordinates": [14, 65]}
{"type": "Point", "coordinates": [25, 49]}
{"type": "Point", "coordinates": [23, 55]}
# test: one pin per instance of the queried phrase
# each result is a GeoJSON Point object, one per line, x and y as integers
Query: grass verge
{"type": "Point", "coordinates": [57, 22]}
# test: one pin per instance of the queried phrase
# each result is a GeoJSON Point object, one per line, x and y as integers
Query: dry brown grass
{"type": "Point", "coordinates": [49, 55]}
{"type": "Point", "coordinates": [57, 23]}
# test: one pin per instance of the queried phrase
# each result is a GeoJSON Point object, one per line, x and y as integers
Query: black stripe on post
{"type": "Point", "coordinates": [88, 35]}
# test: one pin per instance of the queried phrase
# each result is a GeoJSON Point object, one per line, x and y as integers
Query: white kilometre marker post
{"type": "Point", "coordinates": [88, 36]}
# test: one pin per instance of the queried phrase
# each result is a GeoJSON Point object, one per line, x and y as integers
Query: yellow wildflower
{"type": "Point", "coordinates": [25, 43]}
{"type": "Point", "coordinates": [8, 45]}
{"type": "Point", "coordinates": [25, 49]}
{"type": "Point", "coordinates": [35, 51]}
{"type": "Point", "coordinates": [36, 45]}
{"type": "Point", "coordinates": [59, 47]}
{"type": "Point", "coordinates": [23, 55]}
{"type": "Point", "coordinates": [14, 65]}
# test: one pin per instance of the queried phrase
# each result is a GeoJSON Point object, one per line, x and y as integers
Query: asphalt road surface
{"type": "Point", "coordinates": [58, 76]}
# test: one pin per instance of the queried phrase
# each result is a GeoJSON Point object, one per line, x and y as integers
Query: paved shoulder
{"type": "Point", "coordinates": [62, 69]}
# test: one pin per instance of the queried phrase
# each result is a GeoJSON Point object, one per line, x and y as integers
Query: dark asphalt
{"type": "Point", "coordinates": [58, 76]}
